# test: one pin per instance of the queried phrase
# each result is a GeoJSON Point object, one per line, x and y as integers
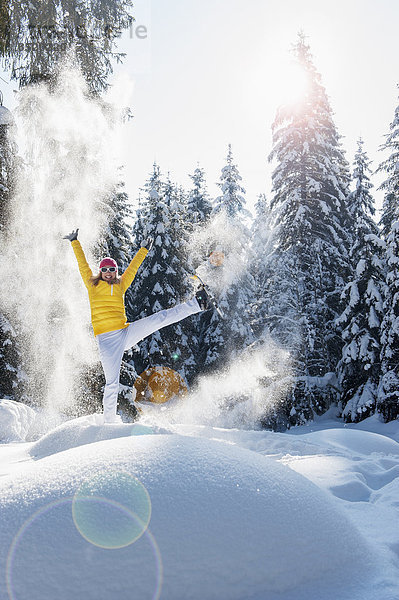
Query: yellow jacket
{"type": "Point", "coordinates": [107, 301]}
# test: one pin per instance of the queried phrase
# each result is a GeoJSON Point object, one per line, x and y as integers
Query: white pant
{"type": "Point", "coordinates": [113, 344]}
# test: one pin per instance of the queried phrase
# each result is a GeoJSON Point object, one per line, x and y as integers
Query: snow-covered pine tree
{"type": "Point", "coordinates": [262, 267]}
{"type": "Point", "coordinates": [199, 206]}
{"type": "Point", "coordinates": [34, 37]}
{"type": "Point", "coordinates": [311, 260]}
{"type": "Point", "coordinates": [388, 391]}
{"type": "Point", "coordinates": [8, 166]}
{"type": "Point", "coordinates": [116, 240]}
{"type": "Point", "coordinates": [12, 375]}
{"type": "Point", "coordinates": [149, 196]}
{"type": "Point", "coordinates": [163, 279]}
{"type": "Point", "coordinates": [260, 263]}
{"type": "Point", "coordinates": [232, 198]}
{"type": "Point", "coordinates": [199, 209]}
{"type": "Point", "coordinates": [11, 372]}
{"type": "Point", "coordinates": [359, 369]}
{"type": "Point", "coordinates": [390, 185]}
{"type": "Point", "coordinates": [225, 339]}
{"type": "Point", "coordinates": [178, 273]}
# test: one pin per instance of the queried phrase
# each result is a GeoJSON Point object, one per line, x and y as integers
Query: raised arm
{"type": "Point", "coordinates": [83, 265]}
{"type": "Point", "coordinates": [132, 269]}
{"type": "Point", "coordinates": [135, 263]}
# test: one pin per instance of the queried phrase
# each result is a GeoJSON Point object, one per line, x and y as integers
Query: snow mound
{"type": "Point", "coordinates": [82, 431]}
{"type": "Point", "coordinates": [376, 425]}
{"type": "Point", "coordinates": [226, 524]}
{"type": "Point", "coordinates": [353, 442]}
{"type": "Point", "coordinates": [15, 420]}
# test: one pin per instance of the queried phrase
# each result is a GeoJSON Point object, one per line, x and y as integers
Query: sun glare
{"type": "Point", "coordinates": [290, 85]}
{"type": "Point", "coordinates": [275, 84]}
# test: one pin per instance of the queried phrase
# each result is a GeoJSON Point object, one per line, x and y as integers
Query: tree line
{"type": "Point", "coordinates": [312, 271]}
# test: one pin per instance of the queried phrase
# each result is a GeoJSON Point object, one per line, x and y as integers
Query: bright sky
{"type": "Point", "coordinates": [218, 70]}
{"type": "Point", "coordinates": [212, 72]}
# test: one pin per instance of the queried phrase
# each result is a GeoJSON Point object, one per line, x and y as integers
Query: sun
{"type": "Point", "coordinates": [290, 84]}
{"type": "Point", "coordinates": [270, 84]}
{"type": "Point", "coordinates": [275, 84]}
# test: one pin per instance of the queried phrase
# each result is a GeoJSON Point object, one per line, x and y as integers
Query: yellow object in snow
{"type": "Point", "coordinates": [158, 385]}
{"type": "Point", "coordinates": [107, 301]}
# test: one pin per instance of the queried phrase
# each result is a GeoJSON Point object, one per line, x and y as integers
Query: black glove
{"type": "Point", "coordinates": [147, 243]}
{"type": "Point", "coordinates": [71, 236]}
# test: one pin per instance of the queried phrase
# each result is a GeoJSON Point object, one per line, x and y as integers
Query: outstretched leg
{"type": "Point", "coordinates": [140, 329]}
{"type": "Point", "coordinates": [111, 351]}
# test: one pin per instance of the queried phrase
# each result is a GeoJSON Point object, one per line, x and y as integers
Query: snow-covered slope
{"type": "Point", "coordinates": [99, 512]}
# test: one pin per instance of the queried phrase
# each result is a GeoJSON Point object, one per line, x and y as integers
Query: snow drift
{"type": "Point", "coordinates": [85, 430]}
{"type": "Point", "coordinates": [226, 523]}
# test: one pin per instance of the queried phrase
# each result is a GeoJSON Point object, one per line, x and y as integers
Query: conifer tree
{"type": "Point", "coordinates": [260, 263]}
{"type": "Point", "coordinates": [163, 280]}
{"type": "Point", "coordinates": [36, 35]}
{"type": "Point", "coordinates": [232, 198]}
{"type": "Point", "coordinates": [359, 368]}
{"type": "Point", "coordinates": [225, 339]}
{"type": "Point", "coordinates": [178, 276]}
{"type": "Point", "coordinates": [199, 206]}
{"type": "Point", "coordinates": [311, 260]}
{"type": "Point", "coordinates": [199, 209]}
{"type": "Point", "coordinates": [391, 184]}
{"type": "Point", "coordinates": [11, 370]}
{"type": "Point", "coordinates": [388, 391]}
{"type": "Point", "coordinates": [116, 240]}
{"type": "Point", "coordinates": [11, 363]}
{"type": "Point", "coordinates": [8, 166]}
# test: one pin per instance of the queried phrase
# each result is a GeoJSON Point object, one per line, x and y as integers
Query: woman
{"type": "Point", "coordinates": [106, 295]}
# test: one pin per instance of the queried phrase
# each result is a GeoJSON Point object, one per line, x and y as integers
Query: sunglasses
{"type": "Point", "coordinates": [110, 269]}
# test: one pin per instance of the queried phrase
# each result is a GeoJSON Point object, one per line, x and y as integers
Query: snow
{"type": "Point", "coordinates": [15, 420]}
{"type": "Point", "coordinates": [361, 267]}
{"type": "Point", "coordinates": [6, 117]}
{"type": "Point", "coordinates": [231, 514]}
{"type": "Point", "coordinates": [80, 432]}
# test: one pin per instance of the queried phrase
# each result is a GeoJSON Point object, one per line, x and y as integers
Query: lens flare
{"type": "Point", "coordinates": [36, 547]}
{"type": "Point", "coordinates": [111, 510]}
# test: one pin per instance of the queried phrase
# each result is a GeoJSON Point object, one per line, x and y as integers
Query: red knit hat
{"type": "Point", "coordinates": [108, 262]}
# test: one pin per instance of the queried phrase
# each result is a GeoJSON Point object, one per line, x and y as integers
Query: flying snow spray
{"type": "Point", "coordinates": [254, 380]}
{"type": "Point", "coordinates": [67, 170]}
